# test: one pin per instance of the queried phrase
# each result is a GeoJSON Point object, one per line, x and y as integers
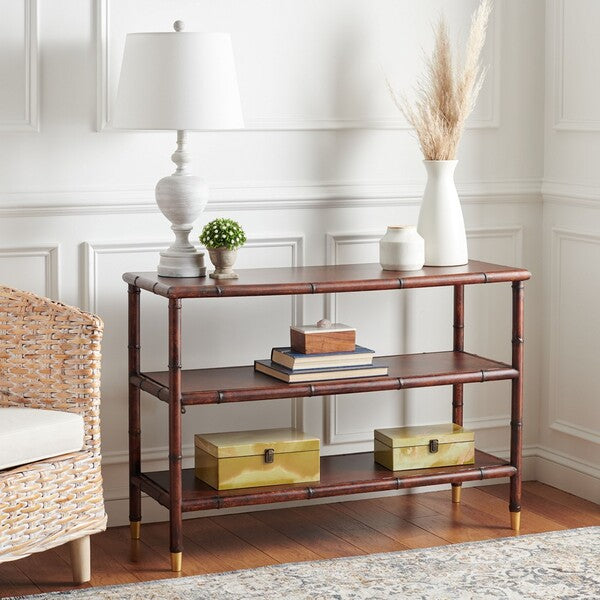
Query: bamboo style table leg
{"type": "Point", "coordinates": [457, 389]}
{"type": "Point", "coordinates": [175, 456]}
{"type": "Point", "coordinates": [516, 419]}
{"type": "Point", "coordinates": [135, 493]}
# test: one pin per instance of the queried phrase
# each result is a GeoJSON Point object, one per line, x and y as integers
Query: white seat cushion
{"type": "Point", "coordinates": [31, 434]}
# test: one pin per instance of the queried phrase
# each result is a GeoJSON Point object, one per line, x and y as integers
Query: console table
{"type": "Point", "coordinates": [179, 490]}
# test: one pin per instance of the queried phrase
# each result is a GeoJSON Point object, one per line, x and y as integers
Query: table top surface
{"type": "Point", "coordinates": [323, 279]}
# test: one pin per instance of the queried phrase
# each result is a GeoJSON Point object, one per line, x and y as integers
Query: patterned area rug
{"type": "Point", "coordinates": [560, 564]}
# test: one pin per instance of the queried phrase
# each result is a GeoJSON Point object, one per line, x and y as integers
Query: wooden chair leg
{"type": "Point", "coordinates": [80, 559]}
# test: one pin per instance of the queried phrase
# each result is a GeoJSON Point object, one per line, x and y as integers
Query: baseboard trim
{"type": "Point", "coordinates": [567, 473]}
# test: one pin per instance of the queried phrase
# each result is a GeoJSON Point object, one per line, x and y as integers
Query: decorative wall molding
{"type": "Point", "coordinates": [264, 196]}
{"type": "Point", "coordinates": [559, 9]}
{"type": "Point", "coordinates": [333, 436]}
{"type": "Point", "coordinates": [296, 243]}
{"type": "Point", "coordinates": [571, 193]}
{"type": "Point", "coordinates": [290, 123]}
{"type": "Point", "coordinates": [51, 254]}
{"type": "Point", "coordinates": [573, 202]}
{"type": "Point", "coordinates": [30, 122]}
{"type": "Point", "coordinates": [557, 423]}
{"type": "Point", "coordinates": [102, 17]}
{"type": "Point", "coordinates": [91, 251]}
{"type": "Point", "coordinates": [333, 242]}
{"type": "Point", "coordinates": [561, 120]}
{"type": "Point", "coordinates": [512, 232]}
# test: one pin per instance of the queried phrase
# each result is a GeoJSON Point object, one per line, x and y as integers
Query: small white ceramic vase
{"type": "Point", "coordinates": [401, 249]}
{"type": "Point", "coordinates": [223, 259]}
{"type": "Point", "coordinates": [441, 221]}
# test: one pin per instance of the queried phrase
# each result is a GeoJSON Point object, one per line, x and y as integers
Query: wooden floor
{"type": "Point", "coordinates": [313, 532]}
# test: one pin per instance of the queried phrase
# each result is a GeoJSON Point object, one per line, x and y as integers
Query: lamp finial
{"type": "Point", "coordinates": [179, 25]}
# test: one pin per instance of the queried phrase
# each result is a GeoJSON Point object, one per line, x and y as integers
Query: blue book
{"type": "Point", "coordinates": [296, 360]}
{"type": "Point", "coordinates": [284, 374]}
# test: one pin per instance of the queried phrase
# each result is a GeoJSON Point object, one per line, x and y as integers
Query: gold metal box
{"type": "Point", "coordinates": [420, 447]}
{"type": "Point", "coordinates": [243, 459]}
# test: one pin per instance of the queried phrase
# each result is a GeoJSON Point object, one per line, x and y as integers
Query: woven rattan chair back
{"type": "Point", "coordinates": [50, 359]}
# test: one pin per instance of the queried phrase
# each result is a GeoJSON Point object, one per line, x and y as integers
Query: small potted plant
{"type": "Point", "coordinates": [222, 238]}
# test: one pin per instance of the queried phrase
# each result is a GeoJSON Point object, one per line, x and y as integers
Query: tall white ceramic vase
{"type": "Point", "coordinates": [441, 222]}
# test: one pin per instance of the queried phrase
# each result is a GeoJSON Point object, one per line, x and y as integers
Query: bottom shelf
{"type": "Point", "coordinates": [340, 475]}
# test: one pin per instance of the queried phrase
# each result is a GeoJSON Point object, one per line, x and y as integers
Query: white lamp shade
{"type": "Point", "coordinates": [178, 80]}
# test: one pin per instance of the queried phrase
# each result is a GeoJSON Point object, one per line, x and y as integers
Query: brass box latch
{"type": "Point", "coordinates": [433, 446]}
{"type": "Point", "coordinates": [269, 455]}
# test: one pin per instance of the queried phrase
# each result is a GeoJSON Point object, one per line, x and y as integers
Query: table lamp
{"type": "Point", "coordinates": [181, 81]}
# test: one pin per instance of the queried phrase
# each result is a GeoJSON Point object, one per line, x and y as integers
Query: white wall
{"type": "Point", "coordinates": [570, 411]}
{"type": "Point", "coordinates": [325, 165]}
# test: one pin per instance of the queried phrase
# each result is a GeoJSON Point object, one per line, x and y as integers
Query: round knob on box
{"type": "Point", "coordinates": [324, 324]}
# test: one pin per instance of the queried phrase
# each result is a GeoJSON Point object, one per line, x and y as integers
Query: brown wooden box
{"type": "Point", "coordinates": [421, 447]}
{"type": "Point", "coordinates": [311, 339]}
{"type": "Point", "coordinates": [243, 459]}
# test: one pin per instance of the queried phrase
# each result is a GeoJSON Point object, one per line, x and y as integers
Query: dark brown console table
{"type": "Point", "coordinates": [178, 489]}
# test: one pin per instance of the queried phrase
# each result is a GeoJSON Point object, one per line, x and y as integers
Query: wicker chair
{"type": "Point", "coordinates": [50, 359]}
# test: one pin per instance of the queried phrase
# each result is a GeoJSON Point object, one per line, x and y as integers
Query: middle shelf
{"type": "Point", "coordinates": [243, 384]}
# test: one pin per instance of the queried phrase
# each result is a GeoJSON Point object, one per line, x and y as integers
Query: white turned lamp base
{"type": "Point", "coordinates": [181, 197]}
{"type": "Point", "coordinates": [181, 264]}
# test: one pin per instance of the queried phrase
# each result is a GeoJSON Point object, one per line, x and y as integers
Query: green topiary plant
{"type": "Point", "coordinates": [223, 233]}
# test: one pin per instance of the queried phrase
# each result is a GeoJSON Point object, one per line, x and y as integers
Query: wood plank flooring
{"type": "Point", "coordinates": [310, 532]}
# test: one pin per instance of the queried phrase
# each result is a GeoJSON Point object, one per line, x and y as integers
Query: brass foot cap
{"type": "Point", "coordinates": [515, 521]}
{"type": "Point", "coordinates": [176, 559]}
{"type": "Point", "coordinates": [456, 491]}
{"type": "Point", "coordinates": [134, 528]}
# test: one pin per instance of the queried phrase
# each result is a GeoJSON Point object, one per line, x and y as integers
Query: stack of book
{"type": "Point", "coordinates": [301, 361]}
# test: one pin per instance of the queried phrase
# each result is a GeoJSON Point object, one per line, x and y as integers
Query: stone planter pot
{"type": "Point", "coordinates": [223, 259]}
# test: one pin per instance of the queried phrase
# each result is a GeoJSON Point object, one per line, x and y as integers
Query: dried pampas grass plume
{"type": "Point", "coordinates": [445, 95]}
